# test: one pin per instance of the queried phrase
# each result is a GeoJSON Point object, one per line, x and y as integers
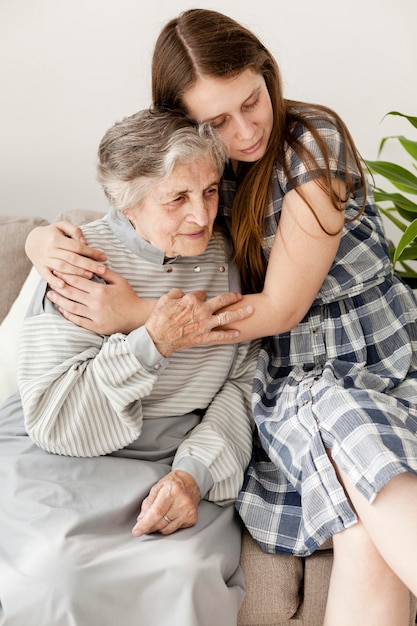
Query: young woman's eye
{"type": "Point", "coordinates": [251, 105]}
{"type": "Point", "coordinates": [218, 123]}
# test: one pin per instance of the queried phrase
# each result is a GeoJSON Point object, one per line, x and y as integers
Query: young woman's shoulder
{"type": "Point", "coordinates": [315, 144]}
{"type": "Point", "coordinates": [305, 118]}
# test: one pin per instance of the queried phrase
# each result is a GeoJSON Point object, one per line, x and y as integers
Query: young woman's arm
{"type": "Point", "coordinates": [109, 306]}
{"type": "Point", "coordinates": [301, 256]}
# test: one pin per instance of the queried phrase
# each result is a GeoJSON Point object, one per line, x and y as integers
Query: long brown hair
{"type": "Point", "coordinates": [203, 42]}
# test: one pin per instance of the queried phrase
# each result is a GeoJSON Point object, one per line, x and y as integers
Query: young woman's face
{"type": "Point", "coordinates": [240, 110]}
{"type": "Point", "coordinates": [178, 213]}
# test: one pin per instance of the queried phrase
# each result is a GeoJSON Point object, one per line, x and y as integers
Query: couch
{"type": "Point", "coordinates": [281, 590]}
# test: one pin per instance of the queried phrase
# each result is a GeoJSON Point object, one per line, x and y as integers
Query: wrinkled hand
{"type": "Point", "coordinates": [180, 321]}
{"type": "Point", "coordinates": [61, 247]}
{"type": "Point", "coordinates": [104, 308]}
{"type": "Point", "coordinates": [176, 496]}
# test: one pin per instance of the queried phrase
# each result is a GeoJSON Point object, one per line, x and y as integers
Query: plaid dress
{"type": "Point", "coordinates": [342, 382]}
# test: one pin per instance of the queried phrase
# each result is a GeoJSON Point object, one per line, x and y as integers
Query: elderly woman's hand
{"type": "Point", "coordinates": [181, 321]}
{"type": "Point", "coordinates": [172, 503]}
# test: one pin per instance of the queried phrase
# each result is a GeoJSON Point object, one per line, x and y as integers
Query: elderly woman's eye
{"type": "Point", "coordinates": [212, 191]}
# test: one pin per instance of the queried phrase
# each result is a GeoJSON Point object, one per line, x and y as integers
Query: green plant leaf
{"type": "Point", "coordinates": [412, 119]}
{"type": "Point", "coordinates": [409, 146]}
{"type": "Point", "coordinates": [409, 253]}
{"type": "Point", "coordinates": [397, 199]}
{"type": "Point", "coordinates": [408, 216]}
{"type": "Point", "coordinates": [407, 273]}
{"type": "Point", "coordinates": [396, 174]}
{"type": "Point", "coordinates": [409, 235]}
{"type": "Point", "coordinates": [399, 208]}
{"type": "Point", "coordinates": [407, 268]}
{"type": "Point", "coordinates": [382, 144]}
{"type": "Point", "coordinates": [392, 217]}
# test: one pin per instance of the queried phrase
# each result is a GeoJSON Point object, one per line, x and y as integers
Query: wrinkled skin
{"type": "Point", "coordinates": [177, 496]}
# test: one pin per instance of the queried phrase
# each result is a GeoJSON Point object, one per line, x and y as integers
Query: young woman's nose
{"type": "Point", "coordinates": [244, 128]}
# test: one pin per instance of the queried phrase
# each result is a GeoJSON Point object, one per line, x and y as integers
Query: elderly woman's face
{"type": "Point", "coordinates": [177, 214]}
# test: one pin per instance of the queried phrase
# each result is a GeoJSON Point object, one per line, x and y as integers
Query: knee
{"type": "Point", "coordinates": [44, 586]}
{"type": "Point", "coordinates": [353, 540]}
{"type": "Point", "coordinates": [354, 549]}
{"type": "Point", "coordinates": [185, 564]}
{"type": "Point", "coordinates": [59, 570]}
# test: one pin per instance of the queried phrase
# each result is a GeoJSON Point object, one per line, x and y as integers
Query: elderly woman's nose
{"type": "Point", "coordinates": [199, 213]}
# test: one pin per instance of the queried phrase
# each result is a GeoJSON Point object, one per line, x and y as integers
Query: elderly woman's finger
{"type": "Point", "coordinates": [175, 496]}
{"type": "Point", "coordinates": [223, 300]}
{"type": "Point", "coordinates": [228, 317]}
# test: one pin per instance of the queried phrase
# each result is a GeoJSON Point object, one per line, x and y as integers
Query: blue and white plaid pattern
{"type": "Point", "coordinates": [344, 380]}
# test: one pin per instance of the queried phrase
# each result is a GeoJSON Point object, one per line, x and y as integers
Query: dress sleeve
{"type": "Point", "coordinates": [305, 141]}
{"type": "Point", "coordinates": [222, 442]}
{"type": "Point", "coordinates": [81, 392]}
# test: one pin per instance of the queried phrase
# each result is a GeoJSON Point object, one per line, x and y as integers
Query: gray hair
{"type": "Point", "coordinates": [145, 147]}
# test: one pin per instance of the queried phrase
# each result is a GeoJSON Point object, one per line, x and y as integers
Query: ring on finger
{"type": "Point", "coordinates": [167, 519]}
{"type": "Point", "coordinates": [219, 320]}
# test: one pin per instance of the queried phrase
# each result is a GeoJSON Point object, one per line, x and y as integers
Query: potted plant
{"type": "Point", "coordinates": [400, 207]}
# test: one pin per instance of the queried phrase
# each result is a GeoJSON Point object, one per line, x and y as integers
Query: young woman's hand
{"type": "Point", "coordinates": [61, 247]}
{"type": "Point", "coordinates": [103, 307]}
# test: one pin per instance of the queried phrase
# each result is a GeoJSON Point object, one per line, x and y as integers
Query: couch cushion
{"type": "Point", "coordinates": [10, 336]}
{"type": "Point", "coordinates": [14, 264]}
{"type": "Point", "coordinates": [79, 216]}
{"type": "Point", "coordinates": [273, 585]}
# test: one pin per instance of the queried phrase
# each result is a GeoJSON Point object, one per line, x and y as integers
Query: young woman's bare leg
{"type": "Point", "coordinates": [363, 588]}
{"type": "Point", "coordinates": [391, 523]}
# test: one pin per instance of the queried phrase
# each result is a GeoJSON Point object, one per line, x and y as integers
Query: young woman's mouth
{"type": "Point", "coordinates": [254, 148]}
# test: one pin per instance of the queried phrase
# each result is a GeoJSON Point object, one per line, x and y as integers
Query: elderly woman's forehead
{"type": "Point", "coordinates": [193, 176]}
{"type": "Point", "coordinates": [201, 166]}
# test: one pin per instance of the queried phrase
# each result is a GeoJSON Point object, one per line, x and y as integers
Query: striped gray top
{"type": "Point", "coordinates": [85, 395]}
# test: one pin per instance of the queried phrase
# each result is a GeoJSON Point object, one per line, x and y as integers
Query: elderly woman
{"type": "Point", "coordinates": [146, 429]}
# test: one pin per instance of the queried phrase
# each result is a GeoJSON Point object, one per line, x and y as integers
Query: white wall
{"type": "Point", "coordinates": [70, 68]}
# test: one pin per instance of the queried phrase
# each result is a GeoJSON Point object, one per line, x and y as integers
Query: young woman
{"type": "Point", "coordinates": [335, 391]}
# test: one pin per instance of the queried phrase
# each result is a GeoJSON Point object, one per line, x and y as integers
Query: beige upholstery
{"type": "Point", "coordinates": [14, 264]}
{"type": "Point", "coordinates": [260, 571]}
{"type": "Point", "coordinates": [281, 590]}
